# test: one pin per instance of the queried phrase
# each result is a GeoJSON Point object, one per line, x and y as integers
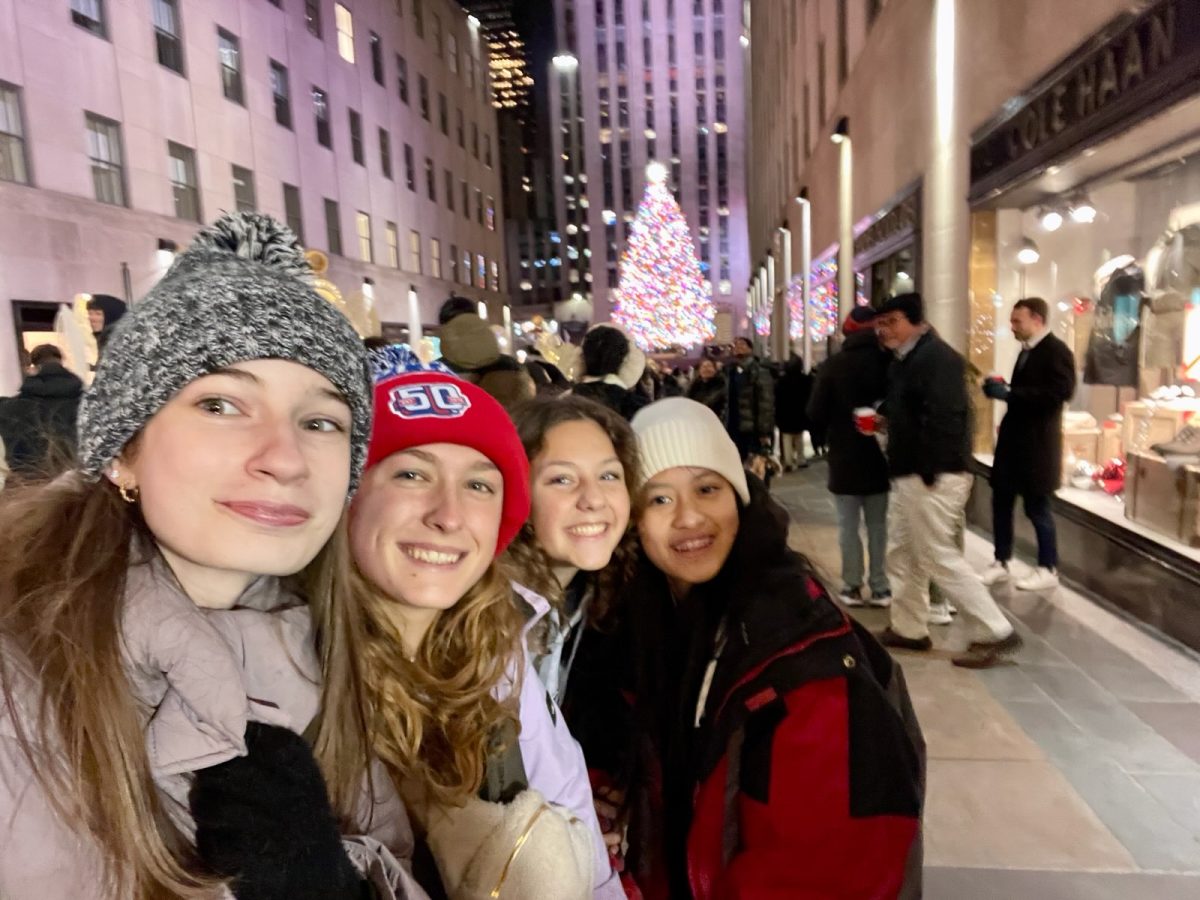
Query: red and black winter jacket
{"type": "Point", "coordinates": [811, 773]}
{"type": "Point", "coordinates": [775, 753]}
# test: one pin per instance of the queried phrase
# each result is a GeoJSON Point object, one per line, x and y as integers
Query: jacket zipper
{"type": "Point", "coordinates": [758, 670]}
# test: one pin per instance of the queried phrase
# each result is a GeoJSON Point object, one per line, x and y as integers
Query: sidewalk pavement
{"type": "Point", "coordinates": [1071, 774]}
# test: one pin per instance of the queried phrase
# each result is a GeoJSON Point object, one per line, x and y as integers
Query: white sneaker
{"type": "Point", "coordinates": [996, 573]}
{"type": "Point", "coordinates": [942, 614]}
{"type": "Point", "coordinates": [1040, 579]}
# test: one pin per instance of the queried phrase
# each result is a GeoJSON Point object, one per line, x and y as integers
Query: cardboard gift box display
{"type": "Point", "coordinates": [1110, 440]}
{"type": "Point", "coordinates": [1079, 445]}
{"type": "Point", "coordinates": [1148, 423]}
{"type": "Point", "coordinates": [1190, 533]}
{"type": "Point", "coordinates": [1164, 496]}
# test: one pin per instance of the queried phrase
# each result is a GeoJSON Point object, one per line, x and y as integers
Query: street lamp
{"type": "Point", "coordinates": [847, 295]}
{"type": "Point", "coordinates": [806, 274]}
{"type": "Point", "coordinates": [565, 62]}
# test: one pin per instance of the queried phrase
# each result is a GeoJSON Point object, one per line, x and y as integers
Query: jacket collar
{"type": "Point", "coordinates": [905, 350]}
{"type": "Point", "coordinates": [200, 674]}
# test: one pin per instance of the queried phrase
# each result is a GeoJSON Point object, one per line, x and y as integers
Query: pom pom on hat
{"type": "Point", "coordinates": [680, 432]}
{"type": "Point", "coordinates": [238, 293]}
{"type": "Point", "coordinates": [417, 405]}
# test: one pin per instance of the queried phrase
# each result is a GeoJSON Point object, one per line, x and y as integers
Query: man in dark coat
{"type": "Point", "coordinates": [38, 425]}
{"type": "Point", "coordinates": [710, 387]}
{"type": "Point", "coordinates": [1029, 448]}
{"type": "Point", "coordinates": [750, 408]}
{"type": "Point", "coordinates": [792, 392]}
{"type": "Point", "coordinates": [928, 423]}
{"type": "Point", "coordinates": [854, 377]}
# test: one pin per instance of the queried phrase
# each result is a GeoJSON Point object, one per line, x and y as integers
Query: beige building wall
{"type": "Point", "coordinates": [905, 124]}
{"type": "Point", "coordinates": [57, 241]}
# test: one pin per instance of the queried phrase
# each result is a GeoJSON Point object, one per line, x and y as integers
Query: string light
{"type": "Point", "coordinates": [823, 301]}
{"type": "Point", "coordinates": [662, 299]}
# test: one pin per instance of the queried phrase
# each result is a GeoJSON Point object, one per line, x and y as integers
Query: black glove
{"type": "Point", "coordinates": [264, 821]}
{"type": "Point", "coordinates": [996, 390]}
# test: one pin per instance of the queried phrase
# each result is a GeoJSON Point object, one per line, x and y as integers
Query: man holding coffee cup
{"type": "Point", "coordinates": [929, 450]}
{"type": "Point", "coordinates": [847, 387]}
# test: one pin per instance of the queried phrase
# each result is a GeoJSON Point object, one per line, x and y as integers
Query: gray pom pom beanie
{"type": "Point", "coordinates": [240, 292]}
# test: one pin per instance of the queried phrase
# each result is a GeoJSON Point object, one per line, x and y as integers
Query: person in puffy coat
{"type": "Point", "coordinates": [38, 425]}
{"type": "Point", "coordinates": [775, 753]}
{"type": "Point", "coordinates": [156, 662]}
{"type": "Point", "coordinates": [459, 718]}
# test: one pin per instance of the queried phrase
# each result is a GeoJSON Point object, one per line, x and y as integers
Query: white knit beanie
{"type": "Point", "coordinates": [681, 432]}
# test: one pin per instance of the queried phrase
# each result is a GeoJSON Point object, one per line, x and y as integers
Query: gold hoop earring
{"type": "Point", "coordinates": [126, 494]}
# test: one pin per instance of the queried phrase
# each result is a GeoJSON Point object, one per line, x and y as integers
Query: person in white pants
{"type": "Point", "coordinates": [923, 547]}
{"type": "Point", "coordinates": [929, 451]}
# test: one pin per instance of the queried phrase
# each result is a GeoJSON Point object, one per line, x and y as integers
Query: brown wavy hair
{"type": "Point", "coordinates": [429, 720]}
{"type": "Point", "coordinates": [533, 568]}
{"type": "Point", "coordinates": [63, 561]}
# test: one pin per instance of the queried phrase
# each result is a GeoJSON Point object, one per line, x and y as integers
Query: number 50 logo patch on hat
{"type": "Point", "coordinates": [437, 400]}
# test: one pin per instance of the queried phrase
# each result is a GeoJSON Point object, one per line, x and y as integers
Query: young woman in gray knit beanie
{"type": "Point", "coordinates": [156, 665]}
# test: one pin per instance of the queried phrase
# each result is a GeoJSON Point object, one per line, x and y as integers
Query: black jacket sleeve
{"type": "Point", "coordinates": [818, 401]}
{"type": "Point", "coordinates": [764, 415]}
{"type": "Point", "coordinates": [944, 416]}
{"type": "Point", "coordinates": [1050, 392]}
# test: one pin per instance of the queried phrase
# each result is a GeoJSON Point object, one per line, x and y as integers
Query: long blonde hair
{"type": "Point", "coordinates": [430, 719]}
{"type": "Point", "coordinates": [63, 561]}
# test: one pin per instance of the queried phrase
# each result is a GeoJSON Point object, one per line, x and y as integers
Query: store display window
{"type": "Point", "coordinates": [1110, 238]}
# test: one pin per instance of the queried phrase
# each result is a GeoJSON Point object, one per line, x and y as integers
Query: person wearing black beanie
{"type": "Point", "coordinates": [928, 425]}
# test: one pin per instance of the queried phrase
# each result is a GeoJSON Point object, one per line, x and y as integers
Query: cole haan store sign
{"type": "Point", "coordinates": [1141, 64]}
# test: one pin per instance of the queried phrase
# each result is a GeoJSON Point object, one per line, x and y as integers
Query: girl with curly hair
{"type": "Point", "coordinates": [492, 776]}
{"type": "Point", "coordinates": [572, 555]}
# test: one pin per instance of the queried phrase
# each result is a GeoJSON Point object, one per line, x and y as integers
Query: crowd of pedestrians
{"type": "Point", "coordinates": [303, 620]}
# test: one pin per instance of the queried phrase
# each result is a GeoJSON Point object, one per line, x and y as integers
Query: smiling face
{"type": "Point", "coordinates": [688, 523]}
{"type": "Point", "coordinates": [242, 473]}
{"type": "Point", "coordinates": [580, 499]}
{"type": "Point", "coordinates": [96, 320]}
{"type": "Point", "coordinates": [423, 529]}
{"type": "Point", "coordinates": [707, 370]}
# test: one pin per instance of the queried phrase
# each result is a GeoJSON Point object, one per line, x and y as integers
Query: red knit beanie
{"type": "Point", "coordinates": [429, 407]}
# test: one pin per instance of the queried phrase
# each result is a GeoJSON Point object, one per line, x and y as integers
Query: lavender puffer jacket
{"type": "Point", "coordinates": [200, 676]}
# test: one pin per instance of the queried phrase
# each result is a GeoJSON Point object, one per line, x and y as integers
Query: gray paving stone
{"type": "Point", "coordinates": [1113, 731]}
{"type": "Point", "coordinates": [1010, 884]}
{"type": "Point", "coordinates": [1177, 722]}
{"type": "Point", "coordinates": [1011, 683]}
{"type": "Point", "coordinates": [1139, 821]}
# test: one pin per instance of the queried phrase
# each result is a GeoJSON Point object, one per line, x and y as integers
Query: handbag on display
{"type": "Point", "coordinates": [1112, 351]}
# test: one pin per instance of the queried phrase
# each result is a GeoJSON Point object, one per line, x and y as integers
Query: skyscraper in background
{"type": "Point", "coordinates": [637, 81]}
{"type": "Point", "coordinates": [520, 37]}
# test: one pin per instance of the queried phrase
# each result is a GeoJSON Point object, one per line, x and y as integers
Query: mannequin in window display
{"type": "Point", "coordinates": [1171, 321]}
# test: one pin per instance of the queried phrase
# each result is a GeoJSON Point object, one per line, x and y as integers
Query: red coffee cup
{"type": "Point", "coordinates": [865, 419]}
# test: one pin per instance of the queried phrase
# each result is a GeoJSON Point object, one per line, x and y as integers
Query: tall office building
{"type": "Point", "coordinates": [520, 37]}
{"type": "Point", "coordinates": [638, 81]}
{"type": "Point", "coordinates": [367, 126]}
